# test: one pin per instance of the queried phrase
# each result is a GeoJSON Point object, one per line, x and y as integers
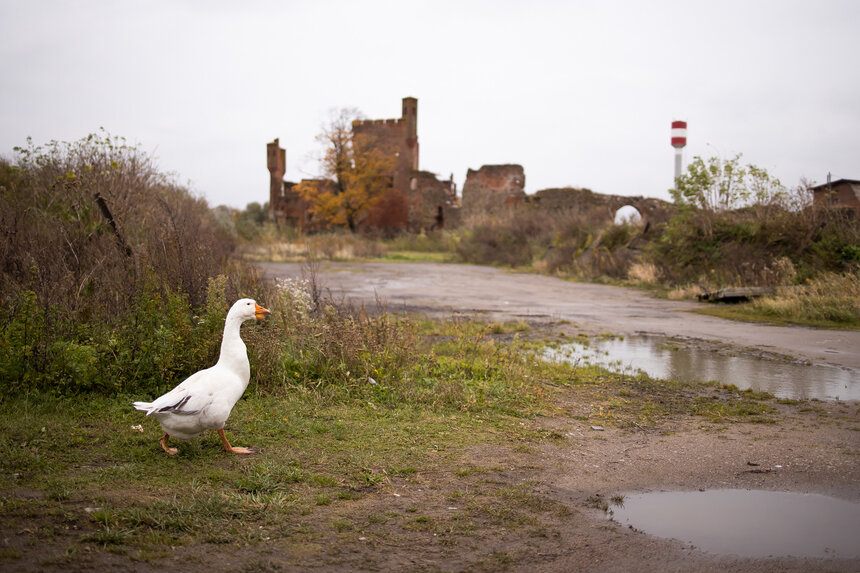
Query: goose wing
{"type": "Point", "coordinates": [187, 399]}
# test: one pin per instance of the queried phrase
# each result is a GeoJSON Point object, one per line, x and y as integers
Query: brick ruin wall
{"type": "Point", "coordinates": [276, 160]}
{"type": "Point", "coordinates": [587, 202]}
{"type": "Point", "coordinates": [419, 200]}
{"type": "Point", "coordinates": [391, 211]}
{"type": "Point", "coordinates": [492, 187]}
{"type": "Point", "coordinates": [432, 202]}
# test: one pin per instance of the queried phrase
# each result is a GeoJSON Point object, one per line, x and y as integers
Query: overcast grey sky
{"type": "Point", "coordinates": [579, 92]}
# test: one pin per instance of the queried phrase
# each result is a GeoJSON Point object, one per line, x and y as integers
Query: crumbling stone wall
{"type": "Point", "coordinates": [431, 202]}
{"type": "Point", "coordinates": [284, 203]}
{"type": "Point", "coordinates": [586, 201]}
{"type": "Point", "coordinates": [419, 200]}
{"type": "Point", "coordinates": [495, 187]}
{"type": "Point", "coordinates": [492, 187]}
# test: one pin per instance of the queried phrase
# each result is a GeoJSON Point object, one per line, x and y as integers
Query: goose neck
{"type": "Point", "coordinates": [232, 346]}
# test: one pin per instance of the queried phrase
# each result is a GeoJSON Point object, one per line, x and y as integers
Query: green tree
{"type": "Point", "coordinates": [250, 222]}
{"type": "Point", "coordinates": [719, 185]}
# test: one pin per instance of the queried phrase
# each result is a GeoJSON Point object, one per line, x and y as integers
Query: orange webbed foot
{"type": "Point", "coordinates": [233, 449]}
{"type": "Point", "coordinates": [241, 450]}
{"type": "Point", "coordinates": [169, 450]}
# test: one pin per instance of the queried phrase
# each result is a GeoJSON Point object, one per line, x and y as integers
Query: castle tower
{"type": "Point", "coordinates": [409, 119]}
{"type": "Point", "coordinates": [401, 137]}
{"type": "Point", "coordinates": [277, 163]}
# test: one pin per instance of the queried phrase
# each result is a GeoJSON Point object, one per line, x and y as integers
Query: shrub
{"type": "Point", "coordinates": [744, 249]}
{"type": "Point", "coordinates": [103, 260]}
{"type": "Point", "coordinates": [513, 239]}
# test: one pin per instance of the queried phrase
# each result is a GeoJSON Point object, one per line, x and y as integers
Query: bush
{"type": "Point", "coordinates": [743, 248]}
{"type": "Point", "coordinates": [515, 239]}
{"type": "Point", "coordinates": [103, 260]}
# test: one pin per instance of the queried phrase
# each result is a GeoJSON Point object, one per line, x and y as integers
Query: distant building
{"type": "Point", "coordinates": [839, 193]}
{"type": "Point", "coordinates": [417, 199]}
{"type": "Point", "coordinates": [493, 187]}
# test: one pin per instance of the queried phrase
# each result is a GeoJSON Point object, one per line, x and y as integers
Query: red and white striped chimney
{"type": "Point", "coordinates": [679, 134]}
{"type": "Point", "coordinates": [679, 140]}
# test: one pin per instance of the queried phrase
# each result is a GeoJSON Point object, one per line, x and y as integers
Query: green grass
{"type": "Point", "coordinates": [418, 256]}
{"type": "Point", "coordinates": [86, 453]}
{"type": "Point", "coordinates": [326, 457]}
{"type": "Point", "coordinates": [749, 312]}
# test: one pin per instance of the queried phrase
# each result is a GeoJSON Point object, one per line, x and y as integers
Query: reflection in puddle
{"type": "Point", "coordinates": [658, 358]}
{"type": "Point", "coordinates": [748, 523]}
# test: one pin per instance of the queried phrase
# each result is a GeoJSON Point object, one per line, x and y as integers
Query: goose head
{"type": "Point", "coordinates": [246, 309]}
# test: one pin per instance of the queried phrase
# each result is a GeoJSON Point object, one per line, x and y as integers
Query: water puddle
{"type": "Point", "coordinates": [757, 524]}
{"type": "Point", "coordinates": [661, 358]}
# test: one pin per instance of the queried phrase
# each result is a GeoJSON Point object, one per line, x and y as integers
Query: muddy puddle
{"type": "Point", "coordinates": [662, 358]}
{"type": "Point", "coordinates": [746, 523]}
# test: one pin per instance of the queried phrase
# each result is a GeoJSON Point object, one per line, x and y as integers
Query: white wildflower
{"type": "Point", "coordinates": [296, 293]}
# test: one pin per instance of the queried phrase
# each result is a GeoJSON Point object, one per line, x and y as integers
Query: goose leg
{"type": "Point", "coordinates": [233, 449]}
{"type": "Point", "coordinates": [163, 442]}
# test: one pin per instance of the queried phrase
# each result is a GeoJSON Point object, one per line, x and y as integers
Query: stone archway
{"type": "Point", "coordinates": [650, 210]}
{"type": "Point", "coordinates": [627, 214]}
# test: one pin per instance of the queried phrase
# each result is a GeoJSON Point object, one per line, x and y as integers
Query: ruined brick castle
{"type": "Point", "coordinates": [419, 200]}
{"type": "Point", "coordinates": [416, 200]}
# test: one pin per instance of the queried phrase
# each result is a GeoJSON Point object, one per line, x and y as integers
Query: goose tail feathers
{"type": "Point", "coordinates": [143, 407]}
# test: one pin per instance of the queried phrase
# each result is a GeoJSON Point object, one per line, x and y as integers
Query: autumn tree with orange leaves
{"type": "Point", "coordinates": [356, 174]}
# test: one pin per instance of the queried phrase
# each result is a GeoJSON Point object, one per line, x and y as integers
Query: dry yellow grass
{"type": "Point", "coordinates": [646, 273]}
{"type": "Point", "coordinates": [832, 297]}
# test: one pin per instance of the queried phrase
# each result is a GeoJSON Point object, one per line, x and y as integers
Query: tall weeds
{"type": "Point", "coordinates": [103, 260]}
{"type": "Point", "coordinates": [831, 298]}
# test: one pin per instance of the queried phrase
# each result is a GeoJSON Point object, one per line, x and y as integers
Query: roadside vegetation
{"type": "Point", "coordinates": [830, 301]}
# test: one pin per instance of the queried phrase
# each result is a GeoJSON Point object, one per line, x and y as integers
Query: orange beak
{"type": "Point", "coordinates": [260, 312]}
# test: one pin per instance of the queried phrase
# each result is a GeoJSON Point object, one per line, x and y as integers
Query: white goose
{"type": "Point", "coordinates": [204, 400]}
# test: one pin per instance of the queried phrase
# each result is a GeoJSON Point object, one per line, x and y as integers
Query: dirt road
{"type": "Point", "coordinates": [436, 288]}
